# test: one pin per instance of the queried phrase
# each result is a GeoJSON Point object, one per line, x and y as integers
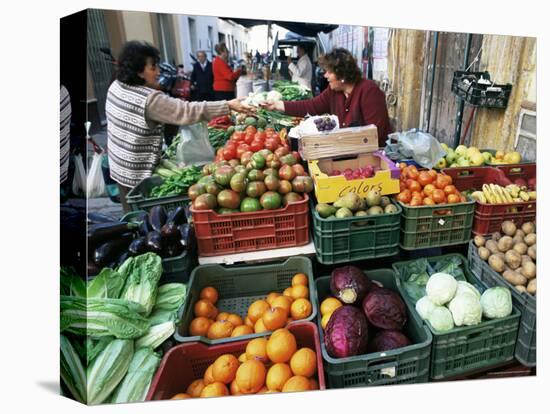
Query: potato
{"type": "Point", "coordinates": [521, 288]}
{"type": "Point", "coordinates": [496, 263]}
{"type": "Point", "coordinates": [492, 246]}
{"type": "Point", "coordinates": [528, 228]}
{"type": "Point", "coordinates": [530, 239]}
{"type": "Point", "coordinates": [529, 270]}
{"type": "Point", "coordinates": [519, 233]}
{"type": "Point", "coordinates": [496, 236]}
{"type": "Point", "coordinates": [479, 241]}
{"type": "Point", "coordinates": [509, 228]}
{"type": "Point", "coordinates": [517, 240]}
{"type": "Point", "coordinates": [484, 253]}
{"type": "Point", "coordinates": [504, 244]}
{"type": "Point", "coordinates": [525, 258]}
{"type": "Point", "coordinates": [532, 286]}
{"type": "Point", "coordinates": [514, 278]}
{"type": "Point", "coordinates": [532, 252]}
{"type": "Point", "coordinates": [521, 248]}
{"type": "Point", "coordinates": [512, 259]}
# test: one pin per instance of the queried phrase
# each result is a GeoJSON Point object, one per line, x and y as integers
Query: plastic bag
{"type": "Point", "coordinates": [79, 179]}
{"type": "Point", "coordinates": [194, 147]}
{"type": "Point", "coordinates": [95, 184]}
{"type": "Point", "coordinates": [414, 144]}
{"type": "Point", "coordinates": [308, 126]}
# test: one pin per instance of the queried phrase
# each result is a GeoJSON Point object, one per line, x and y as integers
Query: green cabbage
{"type": "Point", "coordinates": [441, 288]}
{"type": "Point", "coordinates": [441, 319]}
{"type": "Point", "coordinates": [465, 287]}
{"type": "Point", "coordinates": [466, 309]}
{"type": "Point", "coordinates": [424, 307]}
{"type": "Point", "coordinates": [496, 302]}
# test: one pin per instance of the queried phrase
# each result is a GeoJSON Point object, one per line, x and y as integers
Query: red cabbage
{"type": "Point", "coordinates": [388, 340]}
{"type": "Point", "coordinates": [346, 333]}
{"type": "Point", "coordinates": [349, 284]}
{"type": "Point", "coordinates": [385, 309]}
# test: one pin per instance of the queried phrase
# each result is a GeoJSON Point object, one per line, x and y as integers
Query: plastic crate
{"type": "Point", "coordinates": [424, 227]}
{"type": "Point", "coordinates": [187, 362]}
{"type": "Point", "coordinates": [488, 218]}
{"type": "Point", "coordinates": [487, 96]}
{"type": "Point", "coordinates": [355, 238]}
{"type": "Point", "coordinates": [526, 346]}
{"type": "Point", "coordinates": [525, 171]}
{"type": "Point", "coordinates": [410, 364]}
{"type": "Point", "coordinates": [473, 178]}
{"type": "Point", "coordinates": [467, 348]}
{"type": "Point", "coordinates": [138, 197]}
{"type": "Point", "coordinates": [219, 234]}
{"type": "Point", "coordinates": [238, 287]}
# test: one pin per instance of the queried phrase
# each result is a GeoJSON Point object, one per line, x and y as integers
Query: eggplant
{"type": "Point", "coordinates": [170, 232]}
{"type": "Point", "coordinates": [173, 249]}
{"type": "Point", "coordinates": [123, 257]}
{"type": "Point", "coordinates": [144, 225]}
{"type": "Point", "coordinates": [185, 233]}
{"type": "Point", "coordinates": [157, 217]}
{"type": "Point", "coordinates": [138, 246]}
{"type": "Point", "coordinates": [95, 218]}
{"type": "Point", "coordinates": [154, 242]}
{"type": "Point", "coordinates": [177, 216]}
{"type": "Point", "coordinates": [102, 232]}
{"type": "Point", "coordinates": [109, 251]}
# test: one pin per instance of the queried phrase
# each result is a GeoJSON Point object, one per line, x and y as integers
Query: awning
{"type": "Point", "coordinates": [304, 29]}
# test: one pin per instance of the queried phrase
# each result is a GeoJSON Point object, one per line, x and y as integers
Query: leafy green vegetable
{"type": "Point", "coordinates": [71, 283]}
{"type": "Point", "coordinates": [452, 266]}
{"type": "Point", "coordinates": [72, 370]}
{"type": "Point", "coordinates": [156, 335]}
{"type": "Point", "coordinates": [95, 346]}
{"type": "Point", "coordinates": [170, 296]}
{"type": "Point", "coordinates": [176, 183]}
{"type": "Point", "coordinates": [107, 284]}
{"type": "Point", "coordinates": [292, 91]}
{"type": "Point", "coordinates": [161, 315]}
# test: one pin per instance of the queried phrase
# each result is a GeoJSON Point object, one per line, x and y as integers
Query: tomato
{"type": "Point", "coordinates": [424, 178]}
{"type": "Point", "coordinates": [413, 185]}
{"type": "Point", "coordinates": [256, 146]}
{"type": "Point", "coordinates": [440, 182]}
{"type": "Point", "coordinates": [281, 151]}
{"type": "Point", "coordinates": [417, 194]}
{"type": "Point", "coordinates": [229, 153]}
{"type": "Point", "coordinates": [269, 130]}
{"type": "Point", "coordinates": [297, 155]}
{"type": "Point", "coordinates": [428, 201]}
{"type": "Point", "coordinates": [241, 149]}
{"type": "Point", "coordinates": [219, 151]}
{"type": "Point", "coordinates": [271, 144]}
{"type": "Point", "coordinates": [429, 189]}
{"type": "Point", "coordinates": [404, 196]}
{"type": "Point", "coordinates": [463, 198]}
{"type": "Point", "coordinates": [402, 186]}
{"type": "Point", "coordinates": [250, 129]}
{"type": "Point", "coordinates": [433, 174]}
{"type": "Point", "coordinates": [248, 138]}
{"type": "Point", "coordinates": [416, 201]}
{"type": "Point", "coordinates": [260, 135]}
{"type": "Point", "coordinates": [453, 198]}
{"type": "Point", "coordinates": [413, 172]}
{"type": "Point", "coordinates": [450, 189]}
{"type": "Point", "coordinates": [439, 196]}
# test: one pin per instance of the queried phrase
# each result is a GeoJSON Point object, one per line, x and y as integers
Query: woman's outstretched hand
{"type": "Point", "coordinates": [238, 106]}
{"type": "Point", "coordinates": [274, 106]}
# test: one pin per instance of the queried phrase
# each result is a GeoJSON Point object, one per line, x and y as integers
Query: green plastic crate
{"type": "Point", "coordinates": [423, 227]}
{"type": "Point", "coordinates": [138, 197]}
{"type": "Point", "coordinates": [526, 346]}
{"type": "Point", "coordinates": [467, 348]}
{"type": "Point", "coordinates": [410, 364]}
{"type": "Point", "coordinates": [355, 238]}
{"type": "Point", "coordinates": [238, 287]}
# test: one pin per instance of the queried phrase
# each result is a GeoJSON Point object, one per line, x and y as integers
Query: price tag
{"type": "Point", "coordinates": [441, 222]}
{"type": "Point", "coordinates": [389, 372]}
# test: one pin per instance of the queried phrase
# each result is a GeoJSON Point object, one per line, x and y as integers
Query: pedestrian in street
{"type": "Point", "coordinates": [136, 111]}
{"type": "Point", "coordinates": [224, 77]}
{"type": "Point", "coordinates": [356, 101]}
{"type": "Point", "coordinates": [301, 71]}
{"type": "Point", "coordinates": [202, 78]}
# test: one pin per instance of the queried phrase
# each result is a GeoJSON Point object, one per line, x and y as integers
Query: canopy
{"type": "Point", "coordinates": [304, 29]}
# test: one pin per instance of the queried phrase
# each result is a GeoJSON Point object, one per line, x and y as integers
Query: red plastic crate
{"type": "Point", "coordinates": [469, 178]}
{"type": "Point", "coordinates": [219, 234]}
{"type": "Point", "coordinates": [187, 362]}
{"type": "Point", "coordinates": [488, 218]}
{"type": "Point", "coordinates": [525, 171]}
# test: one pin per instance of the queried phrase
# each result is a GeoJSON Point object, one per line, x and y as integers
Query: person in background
{"type": "Point", "coordinates": [224, 77]}
{"type": "Point", "coordinates": [356, 101]}
{"type": "Point", "coordinates": [301, 71]}
{"type": "Point", "coordinates": [136, 111]}
{"type": "Point", "coordinates": [202, 78]}
{"type": "Point", "coordinates": [283, 69]}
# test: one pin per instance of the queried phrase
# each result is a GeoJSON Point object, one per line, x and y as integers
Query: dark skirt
{"type": "Point", "coordinates": [224, 96]}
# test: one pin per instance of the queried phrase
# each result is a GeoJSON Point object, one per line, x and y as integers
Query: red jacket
{"type": "Point", "coordinates": [366, 105]}
{"type": "Point", "coordinates": [224, 77]}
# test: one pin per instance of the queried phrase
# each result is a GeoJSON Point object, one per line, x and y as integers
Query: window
{"type": "Point", "coordinates": [210, 45]}
{"type": "Point", "coordinates": [193, 35]}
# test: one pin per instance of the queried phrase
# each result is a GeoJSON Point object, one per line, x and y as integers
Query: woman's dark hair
{"type": "Point", "coordinates": [132, 60]}
{"type": "Point", "coordinates": [342, 63]}
{"type": "Point", "coordinates": [220, 48]}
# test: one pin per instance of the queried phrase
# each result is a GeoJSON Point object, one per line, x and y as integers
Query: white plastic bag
{"type": "Point", "coordinates": [95, 184]}
{"type": "Point", "coordinates": [194, 147]}
{"type": "Point", "coordinates": [421, 146]}
{"type": "Point", "coordinates": [79, 179]}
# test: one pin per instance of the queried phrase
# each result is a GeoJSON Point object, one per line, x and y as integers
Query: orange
{"type": "Point", "coordinates": [282, 302]}
{"type": "Point", "coordinates": [297, 383]}
{"type": "Point", "coordinates": [220, 329]}
{"type": "Point", "coordinates": [281, 346]}
{"type": "Point", "coordinates": [314, 385]}
{"type": "Point", "coordinates": [259, 326]}
{"type": "Point", "coordinates": [205, 308]}
{"type": "Point", "coordinates": [287, 292]}
{"type": "Point", "coordinates": [180, 396]}
{"type": "Point", "coordinates": [299, 291]}
{"type": "Point", "coordinates": [224, 368]}
{"type": "Point", "coordinates": [299, 279]}
{"type": "Point", "coordinates": [199, 326]}
{"type": "Point", "coordinates": [274, 318]}
{"type": "Point", "coordinates": [234, 388]}
{"type": "Point", "coordinates": [248, 322]}
{"type": "Point", "coordinates": [277, 375]}
{"type": "Point", "coordinates": [235, 319]}
{"type": "Point", "coordinates": [195, 388]}
{"type": "Point", "coordinates": [304, 362]}
{"type": "Point", "coordinates": [242, 330]}
{"type": "Point", "coordinates": [329, 305]}
{"type": "Point", "coordinates": [208, 378]}
{"type": "Point", "coordinates": [210, 294]}
{"type": "Point", "coordinates": [250, 376]}
{"type": "Point", "coordinates": [325, 319]}
{"type": "Point", "coordinates": [222, 316]}
{"type": "Point", "coordinates": [243, 357]}
{"type": "Point", "coordinates": [271, 297]}
{"type": "Point", "coordinates": [257, 309]}
{"type": "Point", "coordinates": [256, 349]}
{"type": "Point", "coordinates": [216, 389]}
{"type": "Point", "coordinates": [300, 309]}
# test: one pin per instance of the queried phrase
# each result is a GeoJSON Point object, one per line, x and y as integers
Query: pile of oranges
{"type": "Point", "coordinates": [328, 306]}
{"type": "Point", "coordinates": [267, 366]}
{"type": "Point", "coordinates": [426, 187]}
{"type": "Point", "coordinates": [274, 312]}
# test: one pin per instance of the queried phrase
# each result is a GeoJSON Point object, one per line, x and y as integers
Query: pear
{"type": "Point", "coordinates": [373, 198]}
{"type": "Point", "coordinates": [477, 159]}
{"type": "Point", "coordinates": [375, 210]}
{"type": "Point", "coordinates": [442, 163]}
{"type": "Point", "coordinates": [487, 156]}
{"type": "Point", "coordinates": [325, 210]}
{"type": "Point", "coordinates": [461, 150]}
{"type": "Point", "coordinates": [344, 213]}
{"type": "Point", "coordinates": [451, 156]}
{"type": "Point", "coordinates": [351, 201]}
{"type": "Point", "coordinates": [384, 201]}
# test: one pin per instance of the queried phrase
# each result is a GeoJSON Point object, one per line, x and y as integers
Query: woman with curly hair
{"type": "Point", "coordinates": [137, 110]}
{"type": "Point", "coordinates": [356, 101]}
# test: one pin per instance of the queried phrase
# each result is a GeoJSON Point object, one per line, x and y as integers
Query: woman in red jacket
{"type": "Point", "coordinates": [356, 101]}
{"type": "Point", "coordinates": [224, 77]}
